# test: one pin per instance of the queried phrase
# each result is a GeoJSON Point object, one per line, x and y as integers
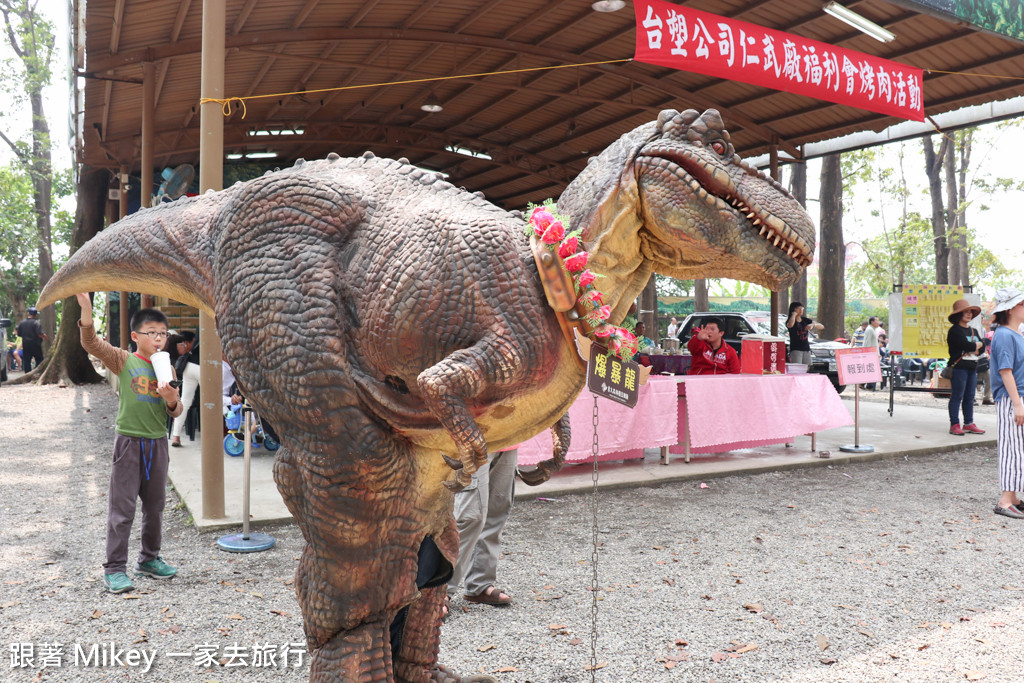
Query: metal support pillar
{"type": "Point", "coordinates": [122, 306]}
{"type": "Point", "coordinates": [148, 107]}
{"type": "Point", "coordinates": [211, 177]}
{"type": "Point", "coordinates": [774, 322]}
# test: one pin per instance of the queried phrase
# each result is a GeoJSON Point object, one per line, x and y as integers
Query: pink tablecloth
{"type": "Point", "coordinates": [622, 433]}
{"type": "Point", "coordinates": [742, 411]}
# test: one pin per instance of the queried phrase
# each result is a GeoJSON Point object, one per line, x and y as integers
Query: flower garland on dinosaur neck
{"type": "Point", "coordinates": [552, 233]}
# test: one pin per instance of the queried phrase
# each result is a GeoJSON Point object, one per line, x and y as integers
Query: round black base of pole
{"type": "Point", "coordinates": [862, 448]}
{"type": "Point", "coordinates": [235, 543]}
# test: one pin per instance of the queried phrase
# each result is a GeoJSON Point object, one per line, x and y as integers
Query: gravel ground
{"type": "Point", "coordinates": [886, 571]}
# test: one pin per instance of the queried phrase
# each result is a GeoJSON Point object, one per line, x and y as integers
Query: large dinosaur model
{"type": "Point", "coordinates": [380, 317]}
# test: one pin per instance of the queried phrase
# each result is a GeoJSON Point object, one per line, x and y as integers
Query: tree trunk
{"type": "Point", "coordinates": [798, 186]}
{"type": "Point", "coordinates": [933, 168]}
{"type": "Point", "coordinates": [649, 309]}
{"type": "Point", "coordinates": [949, 164]}
{"type": "Point", "coordinates": [700, 296]}
{"type": "Point", "coordinates": [42, 189]}
{"type": "Point", "coordinates": [832, 250]}
{"type": "Point", "coordinates": [966, 137]}
{"type": "Point", "coordinates": [67, 362]}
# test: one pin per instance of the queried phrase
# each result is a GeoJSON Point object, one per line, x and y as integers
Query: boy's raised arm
{"type": "Point", "coordinates": [113, 358]}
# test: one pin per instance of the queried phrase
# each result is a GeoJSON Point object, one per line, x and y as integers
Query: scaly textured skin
{"type": "Point", "coordinates": [380, 318]}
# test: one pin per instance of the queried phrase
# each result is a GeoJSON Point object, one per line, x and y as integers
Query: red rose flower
{"type": "Point", "coordinates": [568, 247]}
{"type": "Point", "coordinates": [586, 278]}
{"type": "Point", "coordinates": [603, 330]}
{"type": "Point", "coordinates": [577, 262]}
{"type": "Point", "coordinates": [554, 233]}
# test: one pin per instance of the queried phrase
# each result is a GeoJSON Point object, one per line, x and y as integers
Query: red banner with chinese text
{"type": "Point", "coordinates": [690, 40]}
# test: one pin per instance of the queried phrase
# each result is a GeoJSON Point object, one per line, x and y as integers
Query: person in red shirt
{"type": "Point", "coordinates": [711, 355]}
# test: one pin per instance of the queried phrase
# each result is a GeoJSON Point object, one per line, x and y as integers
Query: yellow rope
{"type": "Point", "coordinates": [226, 101]}
{"type": "Point", "coordinates": [971, 73]}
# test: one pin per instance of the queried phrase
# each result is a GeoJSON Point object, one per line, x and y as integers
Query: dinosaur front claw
{"type": "Point", "coordinates": [454, 463]}
{"type": "Point", "coordinates": [537, 476]}
{"type": "Point", "coordinates": [461, 481]}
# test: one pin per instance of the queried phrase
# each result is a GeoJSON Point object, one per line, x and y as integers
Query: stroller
{"type": "Point", "coordinates": [262, 435]}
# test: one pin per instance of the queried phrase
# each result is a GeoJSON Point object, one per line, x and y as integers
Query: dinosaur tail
{"type": "Point", "coordinates": [164, 251]}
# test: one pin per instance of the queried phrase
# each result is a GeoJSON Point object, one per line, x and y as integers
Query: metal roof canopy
{"type": "Point", "coordinates": [531, 133]}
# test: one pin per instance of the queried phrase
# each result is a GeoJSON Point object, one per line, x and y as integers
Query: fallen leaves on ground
{"type": "Point", "coordinates": [595, 667]}
{"type": "Point", "coordinates": [486, 648]}
{"type": "Point", "coordinates": [823, 644]}
{"type": "Point", "coordinates": [754, 607]}
{"type": "Point", "coordinates": [975, 675]}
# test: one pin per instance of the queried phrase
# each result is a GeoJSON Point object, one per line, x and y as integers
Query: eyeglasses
{"type": "Point", "coordinates": [154, 335]}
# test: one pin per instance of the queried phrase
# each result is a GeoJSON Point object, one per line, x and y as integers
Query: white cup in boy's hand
{"type": "Point", "coordinates": [162, 366]}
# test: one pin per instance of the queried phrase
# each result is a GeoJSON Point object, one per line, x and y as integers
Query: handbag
{"type": "Point", "coordinates": [947, 372]}
{"type": "Point", "coordinates": [983, 364]}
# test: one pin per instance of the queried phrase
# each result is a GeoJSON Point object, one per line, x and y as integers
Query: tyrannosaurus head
{"type": "Point", "coordinates": [712, 214]}
{"type": "Point", "coordinates": [676, 191]}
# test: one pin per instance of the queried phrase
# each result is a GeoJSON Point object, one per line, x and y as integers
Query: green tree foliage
{"type": "Point", "coordinates": [19, 271]}
{"type": "Point", "coordinates": [31, 39]}
{"type": "Point", "coordinates": [19, 238]}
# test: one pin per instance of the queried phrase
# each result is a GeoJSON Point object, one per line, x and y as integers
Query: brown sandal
{"type": "Point", "coordinates": [490, 596]}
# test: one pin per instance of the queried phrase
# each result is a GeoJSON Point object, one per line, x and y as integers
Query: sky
{"type": "Point", "coordinates": [998, 154]}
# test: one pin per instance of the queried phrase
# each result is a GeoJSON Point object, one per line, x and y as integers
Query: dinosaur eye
{"type": "Point", "coordinates": [718, 146]}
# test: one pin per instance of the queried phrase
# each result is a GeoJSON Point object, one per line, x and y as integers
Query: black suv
{"type": "Point", "coordinates": [738, 326]}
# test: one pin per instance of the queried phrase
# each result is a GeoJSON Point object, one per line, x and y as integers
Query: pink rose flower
{"type": "Point", "coordinates": [541, 218]}
{"type": "Point", "coordinates": [577, 262]}
{"type": "Point", "coordinates": [626, 334]}
{"type": "Point", "coordinates": [554, 233]}
{"type": "Point", "coordinates": [568, 247]}
{"type": "Point", "coordinates": [603, 331]}
{"type": "Point", "coordinates": [594, 298]}
{"type": "Point", "coordinates": [602, 313]}
{"type": "Point", "coordinates": [586, 278]}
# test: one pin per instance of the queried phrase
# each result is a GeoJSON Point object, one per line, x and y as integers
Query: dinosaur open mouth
{"type": "Point", "coordinates": [714, 186]}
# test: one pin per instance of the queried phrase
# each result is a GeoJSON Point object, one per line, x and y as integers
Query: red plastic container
{"type": "Point", "coordinates": [763, 355]}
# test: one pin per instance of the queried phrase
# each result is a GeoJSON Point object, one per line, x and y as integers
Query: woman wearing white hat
{"type": "Point", "coordinates": [1007, 366]}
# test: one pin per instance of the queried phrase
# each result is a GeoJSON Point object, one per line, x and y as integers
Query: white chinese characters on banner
{"type": "Point", "coordinates": [670, 35]}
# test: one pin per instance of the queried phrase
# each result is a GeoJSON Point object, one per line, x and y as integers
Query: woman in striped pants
{"type": "Point", "coordinates": [1007, 367]}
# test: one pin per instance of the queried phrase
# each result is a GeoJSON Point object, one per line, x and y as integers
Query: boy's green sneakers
{"type": "Point", "coordinates": [117, 582]}
{"type": "Point", "coordinates": [156, 568]}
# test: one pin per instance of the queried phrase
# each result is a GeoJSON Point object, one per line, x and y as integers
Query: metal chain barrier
{"type": "Point", "coordinates": [594, 585]}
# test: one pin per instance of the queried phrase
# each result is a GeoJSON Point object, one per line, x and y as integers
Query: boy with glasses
{"type": "Point", "coordinates": [139, 468]}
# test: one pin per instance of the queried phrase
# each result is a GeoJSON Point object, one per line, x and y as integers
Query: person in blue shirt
{"type": "Point", "coordinates": [1007, 367]}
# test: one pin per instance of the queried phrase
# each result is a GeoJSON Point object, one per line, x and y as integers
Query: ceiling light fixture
{"type": "Point", "coordinates": [608, 5]}
{"type": "Point", "coordinates": [855, 20]}
{"type": "Point", "coordinates": [431, 105]}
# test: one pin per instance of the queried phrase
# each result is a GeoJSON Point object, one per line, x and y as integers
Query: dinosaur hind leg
{"type": "Point", "coordinates": [360, 655]}
{"type": "Point", "coordinates": [355, 572]}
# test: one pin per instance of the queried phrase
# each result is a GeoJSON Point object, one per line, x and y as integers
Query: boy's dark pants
{"type": "Point", "coordinates": [139, 471]}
